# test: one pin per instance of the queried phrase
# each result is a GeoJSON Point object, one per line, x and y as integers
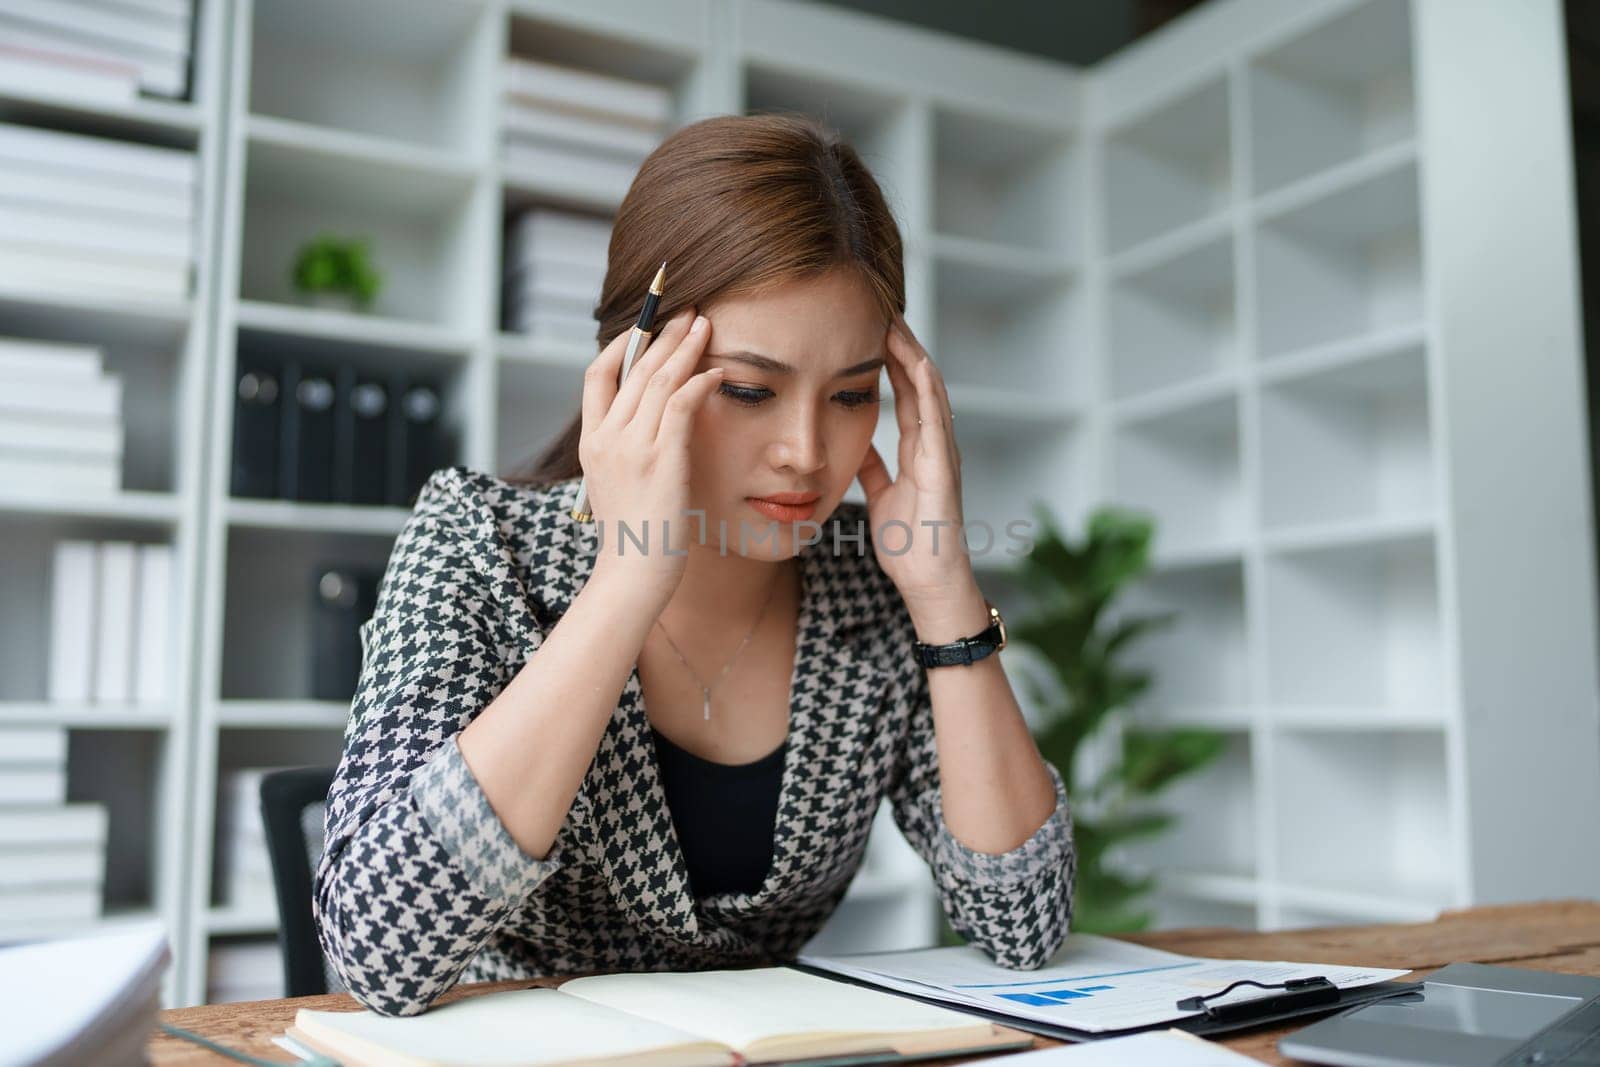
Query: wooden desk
{"type": "Point", "coordinates": [1559, 936]}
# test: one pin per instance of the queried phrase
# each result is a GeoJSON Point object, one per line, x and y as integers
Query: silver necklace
{"type": "Point", "coordinates": [705, 690]}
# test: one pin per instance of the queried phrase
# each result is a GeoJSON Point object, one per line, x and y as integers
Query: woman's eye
{"type": "Point", "coordinates": [752, 397]}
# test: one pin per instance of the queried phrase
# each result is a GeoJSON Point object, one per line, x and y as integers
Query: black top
{"type": "Point", "coordinates": [724, 815]}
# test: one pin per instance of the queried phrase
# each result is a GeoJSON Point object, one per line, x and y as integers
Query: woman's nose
{"type": "Point", "coordinates": [801, 447]}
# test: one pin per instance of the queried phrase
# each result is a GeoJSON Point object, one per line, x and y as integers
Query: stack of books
{"type": "Point", "coordinates": [246, 868]}
{"type": "Point", "coordinates": [96, 52]}
{"type": "Point", "coordinates": [578, 129]}
{"type": "Point", "coordinates": [554, 271]}
{"type": "Point", "coordinates": [87, 217]}
{"type": "Point", "coordinates": [52, 854]}
{"type": "Point", "coordinates": [60, 417]}
{"type": "Point", "coordinates": [111, 623]}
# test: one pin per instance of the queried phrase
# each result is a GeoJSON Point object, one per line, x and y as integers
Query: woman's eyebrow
{"type": "Point", "coordinates": [775, 366]}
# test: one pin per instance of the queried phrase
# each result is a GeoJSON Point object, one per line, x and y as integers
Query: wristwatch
{"type": "Point", "coordinates": [968, 649]}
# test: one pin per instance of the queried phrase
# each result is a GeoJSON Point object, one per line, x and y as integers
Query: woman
{"type": "Point", "coordinates": [577, 750]}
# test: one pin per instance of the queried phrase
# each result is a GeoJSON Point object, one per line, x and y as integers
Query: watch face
{"type": "Point", "coordinates": [994, 613]}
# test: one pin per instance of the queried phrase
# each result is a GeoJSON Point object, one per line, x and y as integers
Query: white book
{"type": "Point", "coordinates": [160, 74]}
{"type": "Point", "coordinates": [79, 275]}
{"type": "Point", "coordinates": [113, 669]}
{"type": "Point", "coordinates": [66, 76]}
{"type": "Point", "coordinates": [162, 245]}
{"type": "Point", "coordinates": [574, 294]}
{"type": "Point", "coordinates": [591, 173]}
{"type": "Point", "coordinates": [101, 398]}
{"type": "Point", "coordinates": [143, 202]}
{"type": "Point", "coordinates": [523, 304]}
{"type": "Point", "coordinates": [22, 357]}
{"type": "Point", "coordinates": [22, 909]}
{"type": "Point", "coordinates": [557, 254]}
{"type": "Point", "coordinates": [549, 224]}
{"type": "Point", "coordinates": [33, 746]}
{"type": "Point", "coordinates": [61, 826]}
{"type": "Point", "coordinates": [178, 8]}
{"type": "Point", "coordinates": [28, 785]}
{"type": "Point", "coordinates": [554, 327]}
{"type": "Point", "coordinates": [109, 158]}
{"type": "Point", "coordinates": [92, 477]}
{"type": "Point", "coordinates": [40, 438]}
{"type": "Point", "coordinates": [73, 581]}
{"type": "Point", "coordinates": [527, 121]}
{"type": "Point", "coordinates": [160, 36]}
{"type": "Point", "coordinates": [153, 668]}
{"type": "Point", "coordinates": [79, 867]}
{"type": "Point", "coordinates": [646, 105]}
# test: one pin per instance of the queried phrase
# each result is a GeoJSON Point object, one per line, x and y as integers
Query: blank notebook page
{"type": "Point", "coordinates": [517, 1027]}
{"type": "Point", "coordinates": [741, 1007]}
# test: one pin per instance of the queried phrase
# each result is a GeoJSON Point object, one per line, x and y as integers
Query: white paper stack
{"type": "Point", "coordinates": [111, 623]}
{"type": "Point", "coordinates": [115, 998]}
{"type": "Point", "coordinates": [94, 216]}
{"type": "Point", "coordinates": [95, 51]}
{"type": "Point", "coordinates": [579, 129]}
{"type": "Point", "coordinates": [60, 415]}
{"type": "Point", "coordinates": [554, 270]}
{"type": "Point", "coordinates": [246, 866]}
{"type": "Point", "coordinates": [52, 862]}
{"type": "Point", "coordinates": [248, 970]}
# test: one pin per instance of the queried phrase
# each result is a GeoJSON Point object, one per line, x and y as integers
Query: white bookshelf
{"type": "Point", "coordinates": [1205, 278]}
{"type": "Point", "coordinates": [1322, 386]}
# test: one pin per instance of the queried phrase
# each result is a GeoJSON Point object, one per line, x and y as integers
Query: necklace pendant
{"type": "Point", "coordinates": [707, 694]}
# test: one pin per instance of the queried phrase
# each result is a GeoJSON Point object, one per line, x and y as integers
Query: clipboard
{"type": "Point", "coordinates": [1229, 1018]}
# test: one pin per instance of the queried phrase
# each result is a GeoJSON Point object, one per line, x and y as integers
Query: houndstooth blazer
{"type": "Point", "coordinates": [420, 885]}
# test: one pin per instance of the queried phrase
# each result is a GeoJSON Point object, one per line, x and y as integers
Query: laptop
{"type": "Point", "coordinates": [1467, 1015]}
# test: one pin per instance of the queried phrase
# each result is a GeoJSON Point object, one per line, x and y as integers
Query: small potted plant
{"type": "Point", "coordinates": [335, 272]}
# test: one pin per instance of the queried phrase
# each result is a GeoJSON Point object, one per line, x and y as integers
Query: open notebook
{"type": "Point", "coordinates": [658, 1019]}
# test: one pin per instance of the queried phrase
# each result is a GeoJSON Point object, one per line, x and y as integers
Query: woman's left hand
{"type": "Point", "coordinates": [934, 567]}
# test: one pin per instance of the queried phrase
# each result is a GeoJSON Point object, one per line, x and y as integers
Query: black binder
{"type": "Point", "coordinates": [1267, 1010]}
{"type": "Point", "coordinates": [344, 596]}
{"type": "Point", "coordinates": [416, 437]}
{"type": "Point", "coordinates": [256, 417]}
{"type": "Point", "coordinates": [307, 453]}
{"type": "Point", "coordinates": [361, 435]}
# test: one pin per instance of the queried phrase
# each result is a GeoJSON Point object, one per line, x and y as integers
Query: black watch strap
{"type": "Point", "coordinates": [968, 649]}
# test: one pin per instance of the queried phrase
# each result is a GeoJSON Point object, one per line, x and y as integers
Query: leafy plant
{"type": "Point", "coordinates": [330, 264]}
{"type": "Point", "coordinates": [1076, 633]}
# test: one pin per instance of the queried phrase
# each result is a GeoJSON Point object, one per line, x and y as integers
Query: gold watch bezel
{"type": "Point", "coordinates": [994, 616]}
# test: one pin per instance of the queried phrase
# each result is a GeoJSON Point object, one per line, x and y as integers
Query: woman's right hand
{"type": "Point", "coordinates": [634, 449]}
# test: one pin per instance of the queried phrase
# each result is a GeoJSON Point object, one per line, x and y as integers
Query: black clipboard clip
{"type": "Point", "coordinates": [1298, 993]}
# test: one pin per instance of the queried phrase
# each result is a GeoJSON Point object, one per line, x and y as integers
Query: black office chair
{"type": "Point", "coordinates": [293, 802]}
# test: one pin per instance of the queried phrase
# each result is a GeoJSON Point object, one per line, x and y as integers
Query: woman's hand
{"type": "Point", "coordinates": [928, 488]}
{"type": "Point", "coordinates": [634, 449]}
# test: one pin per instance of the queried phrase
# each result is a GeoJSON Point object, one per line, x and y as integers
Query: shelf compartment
{"type": "Point", "coordinates": [419, 225]}
{"type": "Point", "coordinates": [1183, 469]}
{"type": "Point", "coordinates": [1174, 321]}
{"type": "Point", "coordinates": [1199, 662]}
{"type": "Point", "coordinates": [1356, 626]}
{"type": "Point", "coordinates": [1014, 329]}
{"type": "Point", "coordinates": [1005, 474]}
{"type": "Point", "coordinates": [1004, 182]}
{"type": "Point", "coordinates": [1214, 837]}
{"type": "Point", "coordinates": [308, 329]}
{"type": "Point", "coordinates": [534, 403]}
{"type": "Point", "coordinates": [1342, 266]}
{"type": "Point", "coordinates": [1388, 836]}
{"type": "Point", "coordinates": [1348, 443]}
{"type": "Point", "coordinates": [269, 611]}
{"type": "Point", "coordinates": [1332, 94]}
{"type": "Point", "coordinates": [1169, 167]}
{"type": "Point", "coordinates": [26, 574]}
{"type": "Point", "coordinates": [404, 71]}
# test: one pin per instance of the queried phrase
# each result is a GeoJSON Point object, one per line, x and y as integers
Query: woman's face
{"type": "Point", "coordinates": [795, 411]}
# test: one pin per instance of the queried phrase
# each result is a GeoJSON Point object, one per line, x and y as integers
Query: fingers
{"type": "Point", "coordinates": [931, 402]}
{"type": "Point", "coordinates": [650, 359]}
{"type": "Point", "coordinates": [677, 418]}
{"type": "Point", "coordinates": [665, 380]}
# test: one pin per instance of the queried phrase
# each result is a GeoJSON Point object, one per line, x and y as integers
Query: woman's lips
{"type": "Point", "coordinates": [783, 512]}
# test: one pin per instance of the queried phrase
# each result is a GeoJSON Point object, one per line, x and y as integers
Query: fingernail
{"type": "Point", "coordinates": [698, 324]}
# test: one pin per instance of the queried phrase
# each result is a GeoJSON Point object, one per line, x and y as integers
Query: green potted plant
{"type": "Point", "coordinates": [1080, 643]}
{"type": "Point", "coordinates": [330, 271]}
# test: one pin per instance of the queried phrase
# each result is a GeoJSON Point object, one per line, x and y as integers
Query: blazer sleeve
{"type": "Point", "coordinates": [417, 871]}
{"type": "Point", "coordinates": [1015, 906]}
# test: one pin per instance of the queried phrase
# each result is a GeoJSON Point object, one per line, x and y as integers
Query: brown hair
{"type": "Point", "coordinates": [734, 204]}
